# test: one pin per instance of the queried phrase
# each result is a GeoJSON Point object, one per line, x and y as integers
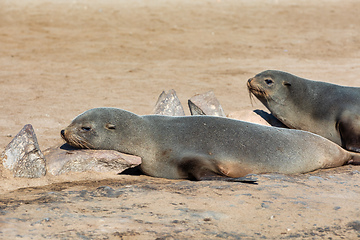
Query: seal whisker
{"type": "Point", "coordinates": [77, 141]}
{"type": "Point", "coordinates": [73, 141]}
{"type": "Point", "coordinates": [250, 96]}
{"type": "Point", "coordinates": [258, 92]}
{"type": "Point", "coordinates": [83, 143]}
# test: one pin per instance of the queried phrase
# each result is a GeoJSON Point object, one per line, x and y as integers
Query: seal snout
{"type": "Point", "coordinates": [250, 85]}
{"type": "Point", "coordinates": [62, 133]}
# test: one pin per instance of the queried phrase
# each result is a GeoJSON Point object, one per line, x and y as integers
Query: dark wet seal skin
{"type": "Point", "coordinates": [329, 110]}
{"type": "Point", "coordinates": [203, 147]}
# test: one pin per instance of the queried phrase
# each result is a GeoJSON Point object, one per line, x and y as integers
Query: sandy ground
{"type": "Point", "coordinates": [59, 58]}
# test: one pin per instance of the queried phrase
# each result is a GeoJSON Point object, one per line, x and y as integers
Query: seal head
{"type": "Point", "coordinates": [97, 128]}
{"type": "Point", "coordinates": [266, 87]}
{"type": "Point", "coordinates": [275, 89]}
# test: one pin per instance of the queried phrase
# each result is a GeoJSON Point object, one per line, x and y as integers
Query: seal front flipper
{"type": "Point", "coordinates": [199, 168]}
{"type": "Point", "coordinates": [247, 179]}
{"type": "Point", "coordinates": [348, 126]}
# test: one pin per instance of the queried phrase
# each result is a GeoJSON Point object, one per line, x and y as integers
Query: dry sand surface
{"type": "Point", "coordinates": [59, 58]}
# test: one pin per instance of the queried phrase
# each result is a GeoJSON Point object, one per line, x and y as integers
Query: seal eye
{"type": "Point", "coordinates": [110, 126]}
{"type": "Point", "coordinates": [86, 129]}
{"type": "Point", "coordinates": [269, 81]}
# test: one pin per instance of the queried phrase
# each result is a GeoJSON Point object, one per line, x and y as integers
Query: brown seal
{"type": "Point", "coordinates": [329, 110]}
{"type": "Point", "coordinates": [198, 147]}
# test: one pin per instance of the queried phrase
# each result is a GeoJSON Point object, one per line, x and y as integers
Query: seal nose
{"type": "Point", "coordinates": [62, 133]}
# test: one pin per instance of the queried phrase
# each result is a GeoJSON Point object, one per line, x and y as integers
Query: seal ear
{"type": "Point", "coordinates": [110, 126]}
{"type": "Point", "coordinates": [286, 84]}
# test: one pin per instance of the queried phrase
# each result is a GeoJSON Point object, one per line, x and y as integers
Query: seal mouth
{"type": "Point", "coordinates": [75, 140]}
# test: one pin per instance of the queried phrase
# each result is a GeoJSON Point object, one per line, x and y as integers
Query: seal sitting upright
{"type": "Point", "coordinates": [329, 110]}
{"type": "Point", "coordinates": [199, 147]}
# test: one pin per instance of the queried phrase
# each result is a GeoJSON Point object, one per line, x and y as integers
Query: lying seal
{"type": "Point", "coordinates": [198, 147]}
{"type": "Point", "coordinates": [329, 110]}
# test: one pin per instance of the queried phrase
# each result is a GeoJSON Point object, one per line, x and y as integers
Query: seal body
{"type": "Point", "coordinates": [195, 147]}
{"type": "Point", "coordinates": [329, 110]}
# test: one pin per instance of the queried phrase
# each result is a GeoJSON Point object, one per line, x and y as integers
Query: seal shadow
{"type": "Point", "coordinates": [133, 171]}
{"type": "Point", "coordinates": [68, 147]}
{"type": "Point", "coordinates": [269, 118]}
